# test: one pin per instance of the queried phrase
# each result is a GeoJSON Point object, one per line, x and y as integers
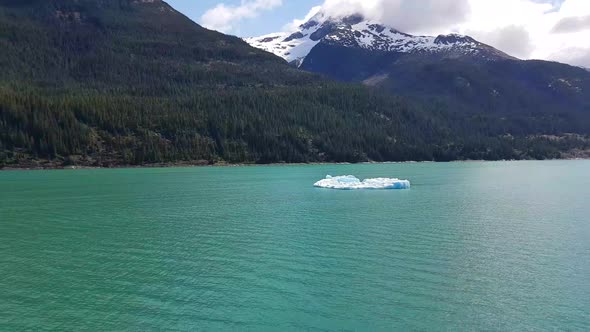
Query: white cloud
{"type": "Point", "coordinates": [535, 38]}
{"type": "Point", "coordinates": [574, 56]}
{"type": "Point", "coordinates": [225, 18]}
{"type": "Point", "coordinates": [512, 26]}
{"type": "Point", "coordinates": [410, 15]}
{"type": "Point", "coordinates": [572, 24]}
{"type": "Point", "coordinates": [512, 39]}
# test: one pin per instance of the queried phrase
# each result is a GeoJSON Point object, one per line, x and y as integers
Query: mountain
{"type": "Point", "coordinates": [134, 82]}
{"type": "Point", "coordinates": [119, 82]}
{"type": "Point", "coordinates": [467, 75]}
{"type": "Point", "coordinates": [356, 32]}
{"type": "Point", "coordinates": [122, 43]}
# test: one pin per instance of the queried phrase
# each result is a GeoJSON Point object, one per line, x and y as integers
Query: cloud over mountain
{"type": "Point", "coordinates": [525, 28]}
{"type": "Point", "coordinates": [572, 24]}
{"type": "Point", "coordinates": [542, 29]}
{"type": "Point", "coordinates": [407, 15]}
{"type": "Point", "coordinates": [512, 39]}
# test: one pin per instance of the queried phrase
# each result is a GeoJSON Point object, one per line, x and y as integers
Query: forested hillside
{"type": "Point", "coordinates": [555, 93]}
{"type": "Point", "coordinates": [133, 82]}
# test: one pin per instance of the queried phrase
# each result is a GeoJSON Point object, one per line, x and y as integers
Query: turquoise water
{"type": "Point", "coordinates": [472, 246]}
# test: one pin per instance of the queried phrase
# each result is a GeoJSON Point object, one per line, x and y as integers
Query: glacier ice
{"type": "Point", "coordinates": [352, 182]}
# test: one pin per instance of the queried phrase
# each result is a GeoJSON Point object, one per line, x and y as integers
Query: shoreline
{"type": "Point", "coordinates": [198, 165]}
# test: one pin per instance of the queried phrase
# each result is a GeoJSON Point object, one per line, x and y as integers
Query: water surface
{"type": "Point", "coordinates": [472, 246]}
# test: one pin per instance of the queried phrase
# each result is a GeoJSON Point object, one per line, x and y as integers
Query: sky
{"type": "Point", "coordinates": [263, 22]}
{"type": "Point", "coordinates": [556, 30]}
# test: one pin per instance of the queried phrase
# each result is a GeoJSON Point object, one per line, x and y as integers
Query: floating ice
{"type": "Point", "coordinates": [352, 182]}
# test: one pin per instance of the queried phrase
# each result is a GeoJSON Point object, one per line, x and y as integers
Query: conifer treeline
{"type": "Point", "coordinates": [328, 123]}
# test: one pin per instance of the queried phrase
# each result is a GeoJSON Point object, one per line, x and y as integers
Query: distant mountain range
{"type": "Point", "coordinates": [467, 74]}
{"type": "Point", "coordinates": [357, 33]}
{"type": "Point", "coordinates": [134, 82]}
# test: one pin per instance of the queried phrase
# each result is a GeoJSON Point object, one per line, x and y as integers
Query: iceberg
{"type": "Point", "coordinates": [349, 182]}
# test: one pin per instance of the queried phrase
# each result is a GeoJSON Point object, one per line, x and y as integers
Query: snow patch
{"type": "Point", "coordinates": [349, 182]}
{"type": "Point", "coordinates": [286, 45]}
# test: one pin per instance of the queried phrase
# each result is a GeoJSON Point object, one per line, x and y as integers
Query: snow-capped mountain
{"type": "Point", "coordinates": [356, 32]}
{"type": "Point", "coordinates": [458, 71]}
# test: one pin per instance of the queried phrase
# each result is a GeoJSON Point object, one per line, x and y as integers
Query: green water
{"type": "Point", "coordinates": [472, 246]}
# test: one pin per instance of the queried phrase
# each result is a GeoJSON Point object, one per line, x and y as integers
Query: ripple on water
{"type": "Point", "coordinates": [263, 249]}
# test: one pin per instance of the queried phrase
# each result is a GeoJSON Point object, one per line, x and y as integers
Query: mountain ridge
{"type": "Point", "coordinates": [355, 31]}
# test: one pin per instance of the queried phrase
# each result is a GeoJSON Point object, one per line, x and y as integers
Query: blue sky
{"type": "Point", "coordinates": [266, 22]}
